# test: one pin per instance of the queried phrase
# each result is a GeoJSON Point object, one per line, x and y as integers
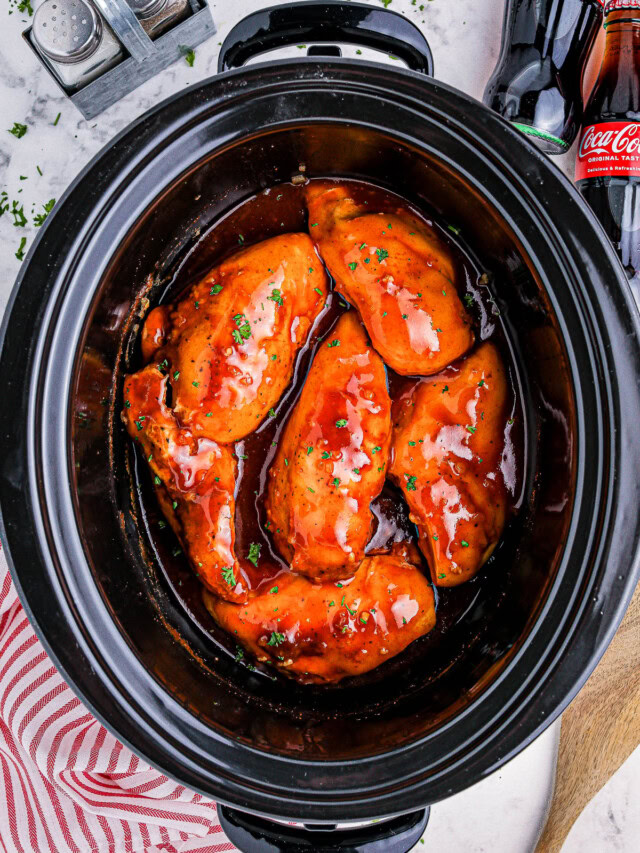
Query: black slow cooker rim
{"type": "Point", "coordinates": [165, 121]}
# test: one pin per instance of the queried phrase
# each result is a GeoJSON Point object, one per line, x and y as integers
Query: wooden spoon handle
{"type": "Point", "coordinates": [600, 729]}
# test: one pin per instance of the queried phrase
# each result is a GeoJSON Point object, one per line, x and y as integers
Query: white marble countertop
{"type": "Point", "coordinates": [504, 813]}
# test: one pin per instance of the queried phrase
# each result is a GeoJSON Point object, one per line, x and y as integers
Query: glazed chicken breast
{"type": "Point", "coordinates": [332, 458]}
{"type": "Point", "coordinates": [397, 273]}
{"type": "Point", "coordinates": [447, 456]}
{"type": "Point", "coordinates": [194, 480]}
{"type": "Point", "coordinates": [325, 632]}
{"type": "Point", "coordinates": [230, 345]}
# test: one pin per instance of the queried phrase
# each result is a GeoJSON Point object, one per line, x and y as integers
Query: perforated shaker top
{"type": "Point", "coordinates": [66, 30]}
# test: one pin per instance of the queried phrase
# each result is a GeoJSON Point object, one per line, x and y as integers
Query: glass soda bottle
{"type": "Point", "coordinates": [608, 159]}
{"type": "Point", "coordinates": [537, 81]}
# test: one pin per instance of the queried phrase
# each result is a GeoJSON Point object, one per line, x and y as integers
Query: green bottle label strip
{"type": "Point", "coordinates": [541, 134]}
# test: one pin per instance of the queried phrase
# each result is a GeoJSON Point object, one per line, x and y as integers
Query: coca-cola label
{"type": "Point", "coordinates": [609, 148]}
{"type": "Point", "coordinates": [616, 5]}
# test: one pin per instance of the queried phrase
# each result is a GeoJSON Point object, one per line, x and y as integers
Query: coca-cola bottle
{"type": "Point", "coordinates": [536, 83]}
{"type": "Point", "coordinates": [608, 161]}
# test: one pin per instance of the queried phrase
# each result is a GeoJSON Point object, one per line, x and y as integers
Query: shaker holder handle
{"type": "Point", "coordinates": [127, 28]}
{"type": "Point", "coordinates": [328, 21]}
{"type": "Point", "coordinates": [253, 834]}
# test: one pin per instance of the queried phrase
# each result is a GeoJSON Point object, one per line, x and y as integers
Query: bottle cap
{"type": "Point", "coordinates": [615, 5]}
{"type": "Point", "coordinates": [146, 8]}
{"type": "Point", "coordinates": [66, 31]}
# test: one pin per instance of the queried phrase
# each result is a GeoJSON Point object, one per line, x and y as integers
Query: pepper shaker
{"type": "Point", "coordinates": [74, 41]}
{"type": "Point", "coordinates": [157, 16]}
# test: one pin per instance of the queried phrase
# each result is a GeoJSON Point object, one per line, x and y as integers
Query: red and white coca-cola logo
{"type": "Point", "coordinates": [597, 140]}
{"type": "Point", "coordinates": [609, 148]}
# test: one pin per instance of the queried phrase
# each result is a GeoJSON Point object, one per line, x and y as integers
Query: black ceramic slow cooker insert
{"type": "Point", "coordinates": [91, 575]}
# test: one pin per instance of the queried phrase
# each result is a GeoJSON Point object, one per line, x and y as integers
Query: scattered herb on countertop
{"type": "Point", "coordinates": [188, 53]}
{"type": "Point", "coordinates": [18, 130]}
{"type": "Point", "coordinates": [40, 218]}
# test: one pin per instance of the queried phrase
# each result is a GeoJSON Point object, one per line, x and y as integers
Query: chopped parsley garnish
{"type": "Point", "coordinates": [405, 316]}
{"type": "Point", "coordinates": [244, 329]}
{"type": "Point", "coordinates": [468, 298]}
{"type": "Point", "coordinates": [382, 254]}
{"type": "Point", "coordinates": [163, 365]}
{"type": "Point", "coordinates": [411, 483]}
{"type": "Point", "coordinates": [470, 429]}
{"type": "Point", "coordinates": [363, 245]}
{"type": "Point", "coordinates": [326, 454]}
{"type": "Point", "coordinates": [157, 480]}
{"type": "Point", "coordinates": [254, 552]}
{"type": "Point", "coordinates": [356, 470]}
{"type": "Point", "coordinates": [353, 265]}
{"type": "Point", "coordinates": [20, 252]}
{"type": "Point", "coordinates": [276, 639]}
{"type": "Point", "coordinates": [176, 374]}
{"type": "Point", "coordinates": [367, 260]}
{"type": "Point", "coordinates": [481, 383]}
{"type": "Point", "coordinates": [309, 450]}
{"type": "Point", "coordinates": [334, 343]}
{"type": "Point", "coordinates": [228, 576]}
{"type": "Point", "coordinates": [454, 229]}
{"type": "Point", "coordinates": [412, 444]}
{"type": "Point", "coordinates": [442, 576]}
{"type": "Point", "coordinates": [435, 537]}
{"type": "Point", "coordinates": [276, 297]}
{"type": "Point", "coordinates": [335, 481]}
{"type": "Point", "coordinates": [309, 489]}
{"type": "Point", "coordinates": [17, 211]}
{"type": "Point", "coordinates": [239, 654]}
{"type": "Point", "coordinates": [39, 218]}
{"type": "Point", "coordinates": [56, 119]}
{"type": "Point", "coordinates": [446, 388]}
{"type": "Point", "coordinates": [272, 413]}
{"type": "Point", "coordinates": [314, 224]}
{"type": "Point", "coordinates": [195, 384]}
{"type": "Point", "coordinates": [341, 422]}
{"type": "Point", "coordinates": [273, 590]}
{"type": "Point", "coordinates": [174, 505]}
{"type": "Point", "coordinates": [310, 270]}
{"type": "Point", "coordinates": [318, 291]}
{"type": "Point", "coordinates": [464, 543]}
{"type": "Point", "coordinates": [215, 289]}
{"type": "Point", "coordinates": [188, 53]}
{"type": "Point", "coordinates": [375, 449]}
{"type": "Point", "coordinates": [18, 129]}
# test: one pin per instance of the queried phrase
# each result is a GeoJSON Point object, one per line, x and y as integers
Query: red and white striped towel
{"type": "Point", "coordinates": [66, 784]}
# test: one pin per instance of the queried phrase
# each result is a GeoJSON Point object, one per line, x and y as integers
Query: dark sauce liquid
{"type": "Point", "coordinates": [275, 211]}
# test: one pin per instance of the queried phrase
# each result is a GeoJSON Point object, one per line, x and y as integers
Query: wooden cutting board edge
{"type": "Point", "coordinates": [599, 731]}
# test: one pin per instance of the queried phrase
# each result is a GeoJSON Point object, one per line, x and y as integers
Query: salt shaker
{"type": "Point", "coordinates": [157, 16]}
{"type": "Point", "coordinates": [74, 41]}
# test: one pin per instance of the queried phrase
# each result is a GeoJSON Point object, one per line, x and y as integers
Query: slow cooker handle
{"type": "Point", "coordinates": [329, 21]}
{"type": "Point", "coordinates": [252, 834]}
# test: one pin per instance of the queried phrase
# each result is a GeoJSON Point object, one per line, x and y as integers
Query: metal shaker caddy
{"type": "Point", "coordinates": [98, 51]}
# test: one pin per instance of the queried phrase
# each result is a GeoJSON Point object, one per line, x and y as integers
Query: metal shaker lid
{"type": "Point", "coordinates": [66, 31]}
{"type": "Point", "coordinates": [146, 8]}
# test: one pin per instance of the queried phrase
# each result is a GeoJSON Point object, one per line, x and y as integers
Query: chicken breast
{"type": "Point", "coordinates": [397, 273]}
{"type": "Point", "coordinates": [447, 453]}
{"type": "Point", "coordinates": [326, 632]}
{"type": "Point", "coordinates": [230, 344]}
{"type": "Point", "coordinates": [194, 479]}
{"type": "Point", "coordinates": [332, 458]}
